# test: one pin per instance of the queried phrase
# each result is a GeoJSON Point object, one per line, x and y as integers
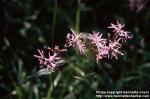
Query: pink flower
{"type": "Point", "coordinates": [100, 48]}
{"type": "Point", "coordinates": [114, 47]}
{"type": "Point", "coordinates": [99, 56]}
{"type": "Point", "coordinates": [41, 57]}
{"type": "Point", "coordinates": [51, 63]}
{"type": "Point", "coordinates": [97, 40]}
{"type": "Point", "coordinates": [137, 5]}
{"type": "Point", "coordinates": [117, 28]}
{"type": "Point", "coordinates": [70, 40]}
{"type": "Point", "coordinates": [101, 53]}
{"type": "Point", "coordinates": [119, 33]}
{"type": "Point", "coordinates": [74, 39]}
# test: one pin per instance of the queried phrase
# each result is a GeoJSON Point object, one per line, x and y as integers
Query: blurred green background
{"type": "Point", "coordinates": [28, 25]}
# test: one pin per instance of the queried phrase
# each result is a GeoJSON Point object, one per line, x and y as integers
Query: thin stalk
{"type": "Point", "coordinates": [50, 89]}
{"type": "Point", "coordinates": [77, 24]}
{"type": "Point", "coordinates": [54, 21]}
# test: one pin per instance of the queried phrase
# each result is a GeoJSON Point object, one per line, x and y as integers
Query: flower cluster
{"type": "Point", "coordinates": [102, 48]}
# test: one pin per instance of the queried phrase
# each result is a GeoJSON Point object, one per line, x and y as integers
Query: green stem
{"type": "Point", "coordinates": [77, 25]}
{"type": "Point", "coordinates": [54, 21]}
{"type": "Point", "coordinates": [50, 89]}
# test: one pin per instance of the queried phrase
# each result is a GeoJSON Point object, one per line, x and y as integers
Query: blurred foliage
{"type": "Point", "coordinates": [26, 25]}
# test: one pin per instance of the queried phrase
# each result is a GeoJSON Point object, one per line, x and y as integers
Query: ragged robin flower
{"type": "Point", "coordinates": [96, 40]}
{"type": "Point", "coordinates": [114, 47]}
{"type": "Point", "coordinates": [99, 45]}
{"type": "Point", "coordinates": [120, 33]}
{"type": "Point", "coordinates": [51, 63]}
{"type": "Point", "coordinates": [73, 39]}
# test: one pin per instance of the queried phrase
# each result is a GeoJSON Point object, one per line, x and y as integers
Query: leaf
{"type": "Point", "coordinates": [77, 77]}
{"type": "Point", "coordinates": [90, 74]}
{"type": "Point", "coordinates": [39, 73]}
{"type": "Point", "coordinates": [127, 79]}
{"type": "Point", "coordinates": [57, 79]}
{"type": "Point", "coordinates": [146, 65]}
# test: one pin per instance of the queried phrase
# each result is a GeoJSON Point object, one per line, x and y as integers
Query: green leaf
{"type": "Point", "coordinates": [145, 65]}
{"type": "Point", "coordinates": [39, 73]}
{"type": "Point", "coordinates": [77, 77]}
